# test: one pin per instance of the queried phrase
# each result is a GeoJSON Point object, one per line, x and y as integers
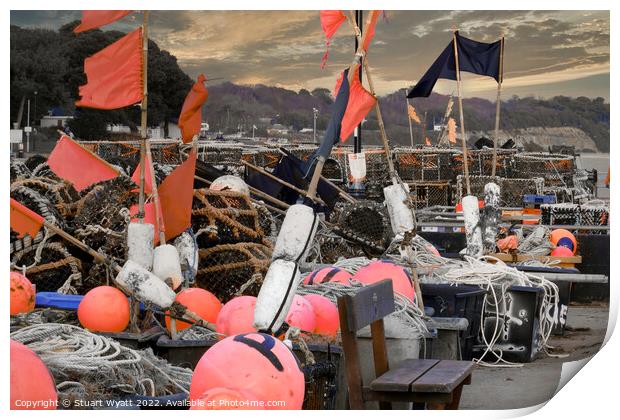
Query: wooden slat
{"type": "Point", "coordinates": [403, 375]}
{"type": "Point", "coordinates": [370, 304]}
{"type": "Point", "coordinates": [444, 377]}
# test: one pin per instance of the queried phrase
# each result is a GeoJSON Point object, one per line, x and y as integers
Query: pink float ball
{"type": "Point", "coordinates": [237, 316]}
{"type": "Point", "coordinates": [32, 385]}
{"type": "Point", "coordinates": [301, 314]}
{"type": "Point", "coordinates": [255, 363]}
{"type": "Point", "coordinates": [226, 399]}
{"type": "Point", "coordinates": [562, 251]}
{"type": "Point", "coordinates": [381, 270]}
{"type": "Point", "coordinates": [328, 274]}
{"type": "Point", "coordinates": [326, 313]}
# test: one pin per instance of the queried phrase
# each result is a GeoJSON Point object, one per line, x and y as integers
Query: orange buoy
{"type": "Point", "coordinates": [301, 314]}
{"type": "Point", "coordinates": [199, 301]}
{"type": "Point", "coordinates": [562, 251]}
{"type": "Point", "coordinates": [237, 316]}
{"type": "Point", "coordinates": [326, 313]}
{"type": "Point", "coordinates": [104, 309]}
{"type": "Point", "coordinates": [328, 274]}
{"type": "Point", "coordinates": [256, 363]}
{"type": "Point", "coordinates": [381, 270]}
{"type": "Point", "coordinates": [226, 399]}
{"type": "Point", "coordinates": [558, 234]}
{"type": "Point", "coordinates": [22, 294]}
{"type": "Point", "coordinates": [32, 385]}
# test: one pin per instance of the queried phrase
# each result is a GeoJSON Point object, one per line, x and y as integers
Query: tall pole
{"type": "Point", "coordinates": [357, 135]}
{"type": "Point", "coordinates": [458, 92]}
{"type": "Point", "coordinates": [408, 117]}
{"type": "Point", "coordinates": [143, 109]}
{"type": "Point", "coordinates": [497, 104]}
{"type": "Point", "coordinates": [28, 129]}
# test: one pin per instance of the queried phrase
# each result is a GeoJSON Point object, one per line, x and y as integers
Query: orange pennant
{"type": "Point", "coordinates": [330, 22]}
{"type": "Point", "coordinates": [360, 103]}
{"type": "Point", "coordinates": [148, 184]}
{"type": "Point", "coordinates": [190, 119]}
{"type": "Point", "coordinates": [24, 221]}
{"type": "Point", "coordinates": [92, 19]}
{"type": "Point", "coordinates": [369, 30]}
{"type": "Point", "coordinates": [452, 130]}
{"type": "Point", "coordinates": [413, 116]}
{"type": "Point", "coordinates": [80, 166]}
{"type": "Point", "coordinates": [176, 195]}
{"type": "Point", "coordinates": [114, 75]}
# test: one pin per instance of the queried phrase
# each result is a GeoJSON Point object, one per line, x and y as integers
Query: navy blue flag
{"type": "Point", "coordinates": [474, 57]}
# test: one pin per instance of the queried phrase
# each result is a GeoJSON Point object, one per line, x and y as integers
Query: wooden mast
{"type": "Point", "coordinates": [143, 111]}
{"type": "Point", "coordinates": [408, 117]}
{"type": "Point", "coordinates": [458, 90]}
{"type": "Point", "coordinates": [497, 104]}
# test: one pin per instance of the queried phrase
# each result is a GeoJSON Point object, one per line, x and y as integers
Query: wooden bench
{"type": "Point", "coordinates": [436, 384]}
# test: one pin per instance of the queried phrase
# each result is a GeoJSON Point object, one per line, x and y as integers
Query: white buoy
{"type": "Point", "coordinates": [140, 244]}
{"type": "Point", "coordinates": [231, 183]}
{"type": "Point", "coordinates": [188, 255]}
{"type": "Point", "coordinates": [144, 285]}
{"type": "Point", "coordinates": [296, 234]}
{"type": "Point", "coordinates": [276, 295]}
{"type": "Point", "coordinates": [490, 216]}
{"type": "Point", "coordinates": [401, 216]}
{"type": "Point", "coordinates": [473, 232]}
{"type": "Point", "coordinates": [166, 265]}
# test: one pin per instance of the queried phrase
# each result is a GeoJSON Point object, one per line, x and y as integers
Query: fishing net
{"type": "Point", "coordinates": [364, 222]}
{"type": "Point", "coordinates": [50, 267]}
{"type": "Point", "coordinates": [224, 217]}
{"type": "Point", "coordinates": [43, 170]}
{"type": "Point", "coordinates": [231, 270]}
{"type": "Point", "coordinates": [428, 164]}
{"type": "Point", "coordinates": [481, 162]}
{"type": "Point", "coordinates": [557, 170]}
{"type": "Point", "coordinates": [91, 367]}
{"type": "Point", "coordinates": [44, 316]}
{"type": "Point", "coordinates": [430, 193]}
{"type": "Point", "coordinates": [269, 225]}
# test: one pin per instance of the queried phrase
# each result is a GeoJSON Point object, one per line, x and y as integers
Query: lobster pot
{"type": "Point", "coordinates": [264, 157]}
{"type": "Point", "coordinates": [560, 214]}
{"type": "Point", "coordinates": [481, 162]}
{"type": "Point", "coordinates": [428, 164]}
{"type": "Point", "coordinates": [224, 156]}
{"type": "Point", "coordinates": [430, 193]}
{"type": "Point", "coordinates": [332, 248]}
{"type": "Point", "coordinates": [594, 215]}
{"type": "Point", "coordinates": [127, 152]}
{"type": "Point", "coordinates": [302, 152]}
{"type": "Point", "coordinates": [366, 223]}
{"type": "Point", "coordinates": [513, 190]}
{"type": "Point", "coordinates": [557, 170]}
{"type": "Point", "coordinates": [476, 184]}
{"type": "Point", "coordinates": [224, 217]}
{"type": "Point", "coordinates": [59, 193]}
{"type": "Point", "coordinates": [58, 270]}
{"type": "Point", "coordinates": [233, 269]}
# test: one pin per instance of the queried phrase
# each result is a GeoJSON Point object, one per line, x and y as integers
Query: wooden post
{"type": "Point", "coordinates": [143, 110]}
{"type": "Point", "coordinates": [458, 90]}
{"type": "Point", "coordinates": [408, 117]}
{"type": "Point", "coordinates": [497, 104]}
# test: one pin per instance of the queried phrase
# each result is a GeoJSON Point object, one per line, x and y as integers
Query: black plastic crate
{"type": "Point", "coordinates": [458, 301]}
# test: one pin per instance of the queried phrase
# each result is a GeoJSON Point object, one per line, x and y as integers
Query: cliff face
{"type": "Point", "coordinates": [540, 138]}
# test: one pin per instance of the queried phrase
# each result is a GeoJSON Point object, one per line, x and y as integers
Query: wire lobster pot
{"type": "Point", "coordinates": [127, 152]}
{"type": "Point", "coordinates": [512, 190]}
{"type": "Point", "coordinates": [589, 214]}
{"type": "Point", "coordinates": [430, 193]}
{"type": "Point", "coordinates": [557, 170]}
{"type": "Point", "coordinates": [481, 162]}
{"type": "Point", "coordinates": [427, 164]}
{"type": "Point", "coordinates": [224, 156]}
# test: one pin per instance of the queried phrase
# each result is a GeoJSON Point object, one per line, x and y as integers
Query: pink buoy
{"type": "Point", "coordinates": [562, 251]}
{"type": "Point", "coordinates": [237, 316]}
{"type": "Point", "coordinates": [32, 385]}
{"type": "Point", "coordinates": [381, 270]}
{"type": "Point", "coordinates": [328, 274]}
{"type": "Point", "coordinates": [301, 314]}
{"type": "Point", "coordinates": [254, 363]}
{"type": "Point", "coordinates": [226, 399]}
{"type": "Point", "coordinates": [326, 313]}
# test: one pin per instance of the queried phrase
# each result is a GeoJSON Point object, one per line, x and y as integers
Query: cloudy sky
{"type": "Point", "coordinates": [547, 53]}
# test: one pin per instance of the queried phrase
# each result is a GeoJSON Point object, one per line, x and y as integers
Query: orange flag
{"type": "Point", "coordinates": [369, 30]}
{"type": "Point", "coordinates": [452, 130]}
{"type": "Point", "coordinates": [114, 75]}
{"type": "Point", "coordinates": [427, 141]}
{"type": "Point", "coordinates": [148, 184]}
{"type": "Point", "coordinates": [330, 22]}
{"type": "Point", "coordinates": [24, 221]}
{"type": "Point", "coordinates": [413, 116]}
{"type": "Point", "coordinates": [80, 166]}
{"type": "Point", "coordinates": [92, 19]}
{"type": "Point", "coordinates": [191, 113]}
{"type": "Point", "coordinates": [176, 196]}
{"type": "Point", "coordinates": [360, 103]}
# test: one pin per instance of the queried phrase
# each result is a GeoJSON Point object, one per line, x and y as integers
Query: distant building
{"type": "Point", "coordinates": [306, 130]}
{"type": "Point", "coordinates": [278, 129]}
{"type": "Point", "coordinates": [58, 121]}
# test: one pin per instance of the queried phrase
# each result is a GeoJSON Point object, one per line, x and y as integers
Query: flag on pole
{"type": "Point", "coordinates": [359, 105]}
{"type": "Point", "coordinates": [413, 116]}
{"type": "Point", "coordinates": [148, 183]}
{"type": "Point", "coordinates": [176, 194]}
{"type": "Point", "coordinates": [78, 165]}
{"type": "Point", "coordinates": [92, 19]}
{"type": "Point", "coordinates": [369, 30]}
{"type": "Point", "coordinates": [330, 22]}
{"type": "Point", "coordinates": [114, 75]}
{"type": "Point", "coordinates": [427, 141]}
{"type": "Point", "coordinates": [190, 119]}
{"type": "Point", "coordinates": [24, 221]}
{"type": "Point", "coordinates": [452, 130]}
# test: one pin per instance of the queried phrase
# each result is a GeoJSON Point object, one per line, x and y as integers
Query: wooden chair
{"type": "Point", "coordinates": [435, 383]}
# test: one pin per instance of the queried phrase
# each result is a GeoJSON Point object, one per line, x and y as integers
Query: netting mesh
{"type": "Point", "coordinates": [481, 162]}
{"type": "Point", "coordinates": [556, 170]}
{"type": "Point", "coordinates": [428, 164]}
{"type": "Point", "coordinates": [224, 217]}
{"type": "Point", "coordinates": [124, 153]}
{"type": "Point", "coordinates": [426, 194]}
{"type": "Point", "coordinates": [590, 214]}
{"type": "Point", "coordinates": [364, 222]}
{"type": "Point", "coordinates": [233, 269]}
{"type": "Point", "coordinates": [512, 190]}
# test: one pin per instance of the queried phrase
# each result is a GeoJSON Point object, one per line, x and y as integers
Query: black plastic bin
{"type": "Point", "coordinates": [457, 301]}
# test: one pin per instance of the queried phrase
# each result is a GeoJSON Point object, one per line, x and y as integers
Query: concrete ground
{"type": "Point", "coordinates": [536, 382]}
